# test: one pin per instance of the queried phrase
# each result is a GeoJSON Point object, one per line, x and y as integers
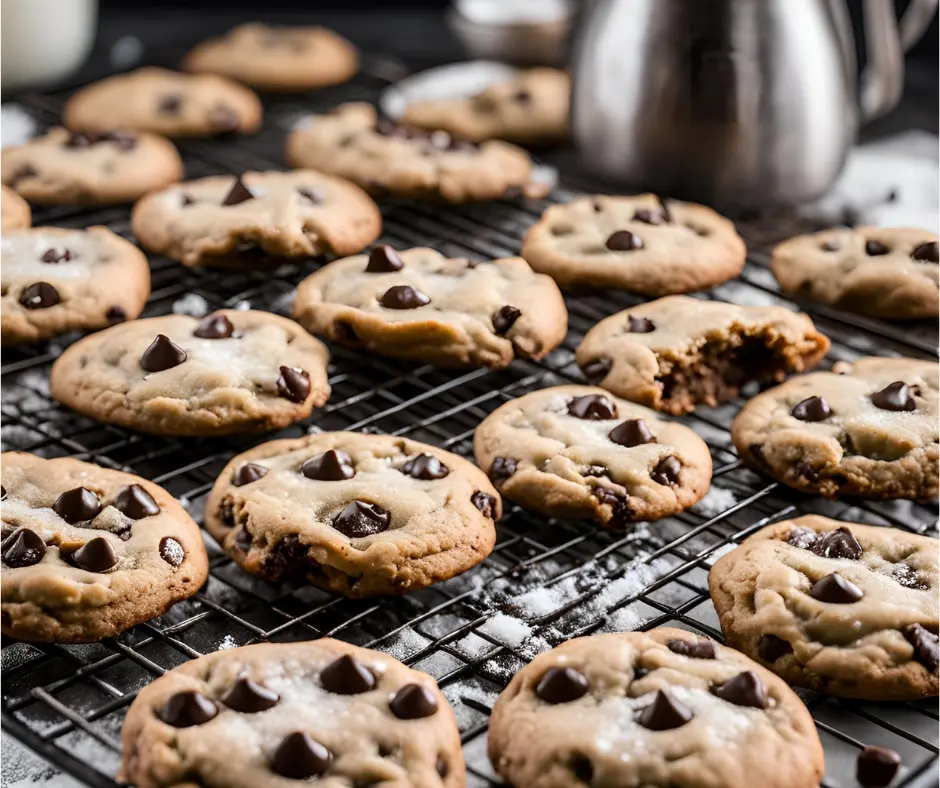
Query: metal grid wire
{"type": "Point", "coordinates": [546, 581]}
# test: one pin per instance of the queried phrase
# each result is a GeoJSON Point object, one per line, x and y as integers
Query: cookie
{"type": "Point", "coordinates": [577, 451]}
{"type": "Point", "coordinates": [838, 607]}
{"type": "Point", "coordinates": [66, 168]}
{"type": "Point", "coordinates": [165, 102]}
{"type": "Point", "coordinates": [15, 210]}
{"type": "Point", "coordinates": [679, 352]}
{"type": "Point", "coordinates": [876, 271]}
{"type": "Point", "coordinates": [870, 432]}
{"type": "Point", "coordinates": [57, 280]}
{"type": "Point", "coordinates": [277, 714]}
{"type": "Point", "coordinates": [277, 58]}
{"type": "Point", "coordinates": [256, 219]}
{"type": "Point", "coordinates": [642, 244]}
{"type": "Point", "coordinates": [360, 515]}
{"type": "Point", "coordinates": [420, 305]}
{"type": "Point", "coordinates": [385, 158]}
{"type": "Point", "coordinates": [88, 552]}
{"type": "Point", "coordinates": [531, 109]}
{"type": "Point", "coordinates": [233, 371]}
{"type": "Point", "coordinates": [657, 708]}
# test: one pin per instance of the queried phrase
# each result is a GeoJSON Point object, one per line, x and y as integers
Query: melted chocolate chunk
{"type": "Point", "coordinates": [926, 253]}
{"type": "Point", "coordinates": [622, 515]}
{"type": "Point", "coordinates": [299, 757]}
{"type": "Point", "coordinates": [640, 325]}
{"type": "Point", "coordinates": [412, 702]}
{"type": "Point", "coordinates": [697, 649]}
{"type": "Point", "coordinates": [485, 502]}
{"type": "Point", "coordinates": [188, 708]}
{"type": "Point", "coordinates": [162, 354]}
{"type": "Point", "coordinates": [667, 472]}
{"type": "Point", "coordinates": [840, 543]}
{"type": "Point", "coordinates": [248, 473]}
{"type": "Point", "coordinates": [425, 467]}
{"type": "Point", "coordinates": [925, 645]}
{"type": "Point", "coordinates": [876, 767]}
{"type": "Point", "coordinates": [135, 502]}
{"type": "Point", "coordinates": [403, 297]}
{"type": "Point", "coordinates": [331, 466]}
{"type": "Point", "coordinates": [745, 689]}
{"type": "Point", "coordinates": [592, 407]}
{"type": "Point", "coordinates": [909, 578]}
{"type": "Point", "coordinates": [360, 519]}
{"type": "Point", "coordinates": [771, 648]}
{"type": "Point", "coordinates": [57, 256]}
{"type": "Point", "coordinates": [95, 556]}
{"type": "Point", "coordinates": [504, 318]}
{"type": "Point", "coordinates": [664, 713]}
{"type": "Point", "coordinates": [249, 697]}
{"type": "Point", "coordinates": [238, 194]}
{"type": "Point", "coordinates": [812, 409]}
{"type": "Point", "coordinates": [836, 590]}
{"type": "Point", "coordinates": [24, 547]}
{"type": "Point", "coordinates": [804, 538]}
{"type": "Point", "coordinates": [502, 468]}
{"type": "Point", "coordinates": [561, 685]}
{"type": "Point", "coordinates": [347, 676]}
{"type": "Point", "coordinates": [630, 433]}
{"type": "Point", "coordinates": [895, 396]}
{"type": "Point", "coordinates": [595, 371]}
{"type": "Point", "coordinates": [40, 295]}
{"type": "Point", "coordinates": [624, 241]}
{"type": "Point", "coordinates": [172, 551]}
{"type": "Point", "coordinates": [383, 260]}
{"type": "Point", "coordinates": [875, 248]}
{"type": "Point", "coordinates": [77, 505]}
{"type": "Point", "coordinates": [243, 541]}
{"type": "Point", "coordinates": [293, 384]}
{"type": "Point", "coordinates": [214, 327]}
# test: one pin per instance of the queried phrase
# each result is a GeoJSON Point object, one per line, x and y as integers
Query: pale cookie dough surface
{"type": "Point", "coordinates": [877, 271]}
{"type": "Point", "coordinates": [678, 352]}
{"type": "Point", "coordinates": [581, 715]}
{"type": "Point", "coordinates": [286, 520]}
{"type": "Point", "coordinates": [479, 314]}
{"type": "Point", "coordinates": [57, 280]}
{"type": "Point", "coordinates": [282, 215]}
{"type": "Point", "coordinates": [849, 445]}
{"type": "Point", "coordinates": [266, 374]}
{"type": "Point", "coordinates": [531, 109]}
{"type": "Point", "coordinates": [877, 640]}
{"type": "Point", "coordinates": [15, 211]}
{"type": "Point", "coordinates": [542, 456]}
{"type": "Point", "coordinates": [683, 248]}
{"type": "Point", "coordinates": [348, 700]}
{"type": "Point", "coordinates": [148, 554]}
{"type": "Point", "coordinates": [64, 168]}
{"type": "Point", "coordinates": [384, 158]}
{"type": "Point", "coordinates": [277, 58]}
{"type": "Point", "coordinates": [165, 102]}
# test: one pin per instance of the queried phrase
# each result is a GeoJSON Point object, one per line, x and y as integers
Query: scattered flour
{"type": "Point", "coordinates": [404, 644]}
{"type": "Point", "coordinates": [715, 502]}
{"type": "Point", "coordinates": [506, 629]}
{"type": "Point", "coordinates": [191, 304]}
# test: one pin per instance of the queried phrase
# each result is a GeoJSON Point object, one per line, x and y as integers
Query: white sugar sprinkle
{"type": "Point", "coordinates": [507, 630]}
{"type": "Point", "coordinates": [715, 502]}
{"type": "Point", "coordinates": [191, 304]}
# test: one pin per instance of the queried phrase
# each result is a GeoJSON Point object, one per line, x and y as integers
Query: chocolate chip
{"type": "Point", "coordinates": [115, 314]}
{"type": "Point", "coordinates": [172, 551]}
{"type": "Point", "coordinates": [347, 676]}
{"type": "Point", "coordinates": [592, 407]}
{"type": "Point", "coordinates": [624, 241]}
{"type": "Point", "coordinates": [243, 541]}
{"type": "Point", "coordinates": [664, 713]}
{"type": "Point", "coordinates": [522, 96]}
{"type": "Point", "coordinates": [313, 195]}
{"type": "Point", "coordinates": [441, 766]}
{"type": "Point", "coordinates": [926, 253]}
{"type": "Point", "coordinates": [214, 327]}
{"type": "Point", "coordinates": [837, 544]}
{"type": "Point", "coordinates": [583, 769]}
{"type": "Point", "coordinates": [804, 538]}
{"type": "Point", "coordinates": [170, 104]}
{"type": "Point", "coordinates": [812, 409]}
{"type": "Point", "coordinates": [925, 645]}
{"type": "Point", "coordinates": [299, 757]}
{"type": "Point", "coordinates": [648, 216]}
{"type": "Point", "coordinates": [186, 200]}
{"type": "Point", "coordinates": [561, 685]}
{"type": "Point", "coordinates": [771, 648]}
{"type": "Point", "coordinates": [836, 590]}
{"type": "Point", "coordinates": [248, 473]}
{"type": "Point", "coordinates": [425, 467]}
{"type": "Point", "coordinates": [3, 493]}
{"type": "Point", "coordinates": [238, 194]}
{"type": "Point", "coordinates": [249, 697]}
{"type": "Point", "coordinates": [745, 689]}
{"type": "Point", "coordinates": [504, 318]}
{"type": "Point", "coordinates": [360, 519]}
{"type": "Point", "coordinates": [95, 556]}
{"type": "Point", "coordinates": [383, 260]}
{"type": "Point", "coordinates": [621, 514]}
{"type": "Point", "coordinates": [640, 325]}
{"type": "Point", "coordinates": [186, 709]}
{"type": "Point", "coordinates": [667, 472]}
{"type": "Point", "coordinates": [344, 332]}
{"type": "Point", "coordinates": [485, 502]}
{"type": "Point", "coordinates": [595, 371]}
{"type": "Point", "coordinates": [876, 767]}
{"type": "Point", "coordinates": [24, 547]}
{"type": "Point", "coordinates": [40, 295]}
{"type": "Point", "coordinates": [632, 432]}
{"type": "Point", "coordinates": [502, 468]}
{"type": "Point", "coordinates": [412, 702]}
{"type": "Point", "coordinates": [57, 256]}
{"type": "Point", "coordinates": [331, 466]}
{"type": "Point", "coordinates": [223, 119]}
{"type": "Point", "coordinates": [403, 297]}
{"type": "Point", "coordinates": [895, 396]}
{"type": "Point", "coordinates": [162, 354]}
{"type": "Point", "coordinates": [697, 649]}
{"type": "Point", "coordinates": [830, 246]}
{"type": "Point", "coordinates": [293, 384]}
{"type": "Point", "coordinates": [135, 502]}
{"type": "Point", "coordinates": [875, 248]}
{"type": "Point", "coordinates": [77, 140]}
{"type": "Point", "coordinates": [77, 505]}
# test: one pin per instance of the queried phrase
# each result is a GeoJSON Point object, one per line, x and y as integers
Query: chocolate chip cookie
{"type": "Point", "coordinates": [642, 244]}
{"type": "Point", "coordinates": [877, 271]}
{"type": "Point", "coordinates": [870, 432]}
{"type": "Point", "coordinates": [56, 280]}
{"type": "Point", "coordinates": [838, 607]}
{"type": "Point", "coordinates": [386, 158]}
{"type": "Point", "coordinates": [233, 371]}
{"type": "Point", "coordinates": [578, 451]}
{"type": "Point", "coordinates": [88, 552]}
{"type": "Point", "coordinates": [256, 219]}
{"type": "Point", "coordinates": [66, 167]}
{"type": "Point", "coordinates": [277, 58]}
{"type": "Point", "coordinates": [15, 211]}
{"type": "Point", "coordinates": [418, 304]}
{"type": "Point", "coordinates": [356, 514]}
{"type": "Point", "coordinates": [679, 352]}
{"type": "Point", "coordinates": [531, 109]}
{"type": "Point", "coordinates": [165, 102]}
{"type": "Point", "coordinates": [279, 714]}
{"type": "Point", "coordinates": [657, 708]}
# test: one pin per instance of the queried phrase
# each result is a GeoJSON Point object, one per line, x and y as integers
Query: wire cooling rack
{"type": "Point", "coordinates": [546, 581]}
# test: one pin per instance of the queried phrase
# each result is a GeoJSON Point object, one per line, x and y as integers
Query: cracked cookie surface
{"type": "Point", "coordinates": [233, 371]}
{"type": "Point", "coordinates": [275, 715]}
{"type": "Point", "coordinates": [257, 219]}
{"type": "Point", "coordinates": [657, 708]}
{"type": "Point", "coordinates": [56, 280]}
{"type": "Point", "coordinates": [678, 352]}
{"type": "Point", "coordinates": [356, 514]}
{"type": "Point", "coordinates": [418, 304]}
{"type": "Point", "coordinates": [15, 211]}
{"type": "Point", "coordinates": [838, 607]}
{"type": "Point", "coordinates": [88, 552]}
{"type": "Point", "coordinates": [871, 432]}
{"type": "Point", "coordinates": [578, 451]}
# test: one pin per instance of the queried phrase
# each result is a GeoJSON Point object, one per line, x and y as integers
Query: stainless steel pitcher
{"type": "Point", "coordinates": [732, 102]}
